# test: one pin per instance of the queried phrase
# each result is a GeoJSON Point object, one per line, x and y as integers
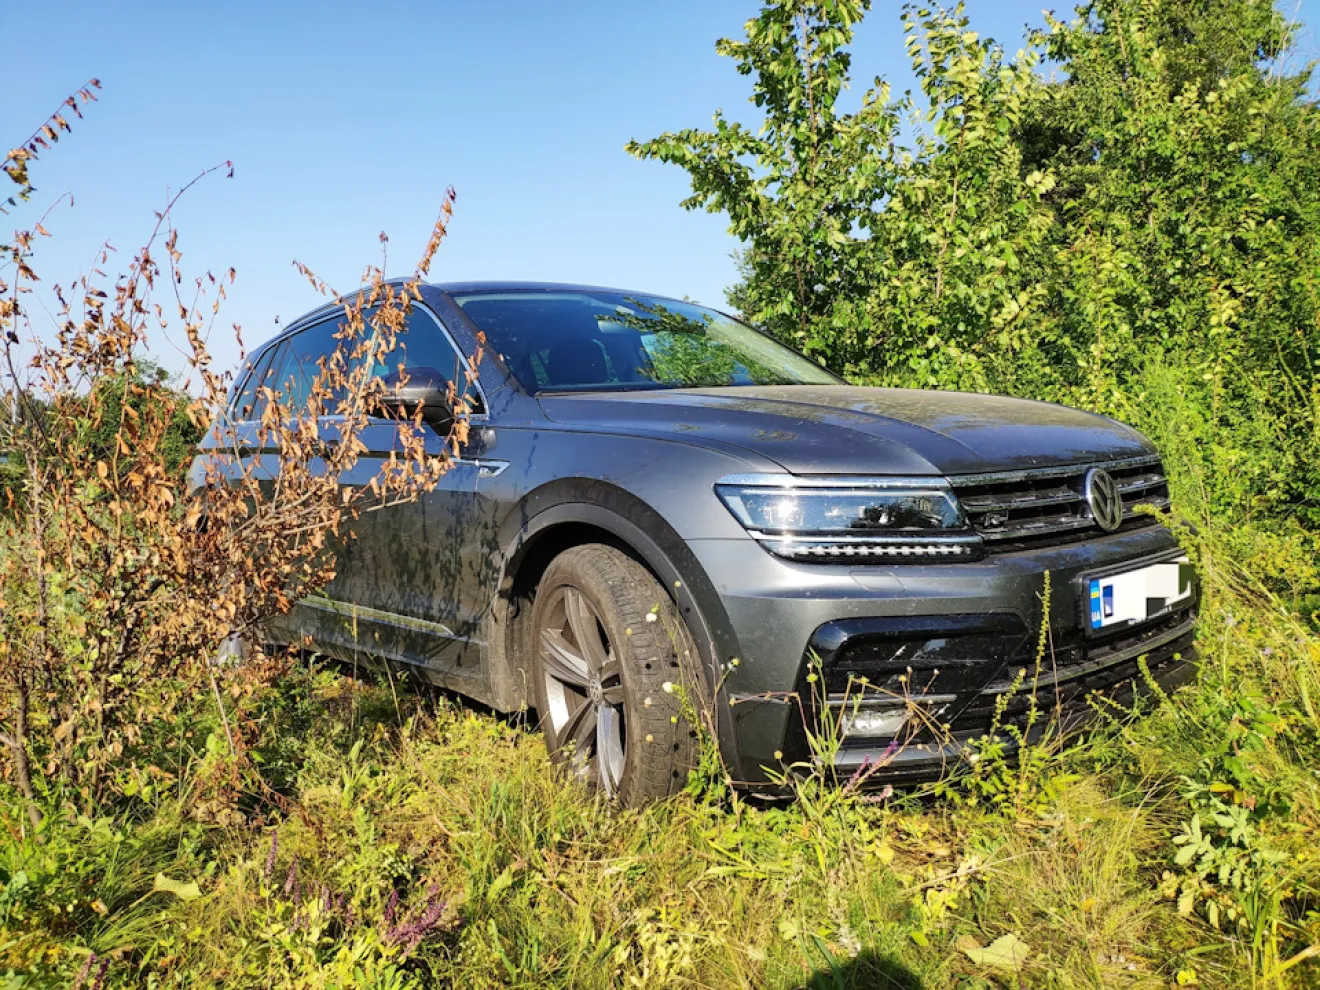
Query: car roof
{"type": "Point", "coordinates": [459, 289]}
{"type": "Point", "coordinates": [492, 285]}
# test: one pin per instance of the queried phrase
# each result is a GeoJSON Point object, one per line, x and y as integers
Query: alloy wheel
{"type": "Point", "coordinates": [583, 688]}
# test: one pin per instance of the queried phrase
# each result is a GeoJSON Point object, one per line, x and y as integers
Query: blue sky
{"type": "Point", "coordinates": [345, 120]}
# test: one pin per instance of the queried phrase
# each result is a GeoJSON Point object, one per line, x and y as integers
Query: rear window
{"type": "Point", "coordinates": [245, 406]}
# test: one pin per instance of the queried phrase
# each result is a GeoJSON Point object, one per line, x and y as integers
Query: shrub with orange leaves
{"type": "Point", "coordinates": [118, 583]}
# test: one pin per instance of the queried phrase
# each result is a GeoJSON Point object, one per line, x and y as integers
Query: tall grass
{"type": "Point", "coordinates": [416, 843]}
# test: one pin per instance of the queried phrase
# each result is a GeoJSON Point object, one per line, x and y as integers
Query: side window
{"type": "Point", "coordinates": [423, 346]}
{"type": "Point", "coordinates": [246, 399]}
{"type": "Point", "coordinates": [305, 353]}
{"type": "Point", "coordinates": [270, 379]}
{"type": "Point", "coordinates": [240, 397]}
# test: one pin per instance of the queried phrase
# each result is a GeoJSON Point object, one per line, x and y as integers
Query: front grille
{"type": "Point", "coordinates": [1071, 680]}
{"type": "Point", "coordinates": [973, 674]}
{"type": "Point", "coordinates": [1027, 509]}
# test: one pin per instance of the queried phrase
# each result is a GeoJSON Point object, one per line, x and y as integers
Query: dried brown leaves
{"type": "Point", "coordinates": [116, 580]}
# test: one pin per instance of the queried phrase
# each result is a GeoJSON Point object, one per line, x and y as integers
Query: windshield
{"type": "Point", "coordinates": [586, 341]}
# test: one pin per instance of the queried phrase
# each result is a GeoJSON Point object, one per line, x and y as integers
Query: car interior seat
{"type": "Point", "coordinates": [577, 360]}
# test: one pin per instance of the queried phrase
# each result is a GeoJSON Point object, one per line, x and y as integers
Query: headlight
{"type": "Point", "coordinates": [870, 519]}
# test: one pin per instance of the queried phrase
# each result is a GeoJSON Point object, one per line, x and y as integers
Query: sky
{"type": "Point", "coordinates": [344, 121]}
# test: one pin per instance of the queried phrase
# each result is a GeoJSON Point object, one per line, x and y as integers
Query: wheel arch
{"type": "Point", "coordinates": [574, 512]}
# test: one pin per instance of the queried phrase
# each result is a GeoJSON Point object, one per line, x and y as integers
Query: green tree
{"type": "Point", "coordinates": [1124, 215]}
{"type": "Point", "coordinates": [858, 249]}
{"type": "Point", "coordinates": [799, 192]}
{"type": "Point", "coordinates": [106, 409]}
{"type": "Point", "coordinates": [1186, 233]}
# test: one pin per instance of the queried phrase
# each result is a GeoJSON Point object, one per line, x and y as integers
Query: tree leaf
{"type": "Point", "coordinates": [502, 883]}
{"type": "Point", "coordinates": [183, 890]}
{"type": "Point", "coordinates": [1008, 952]}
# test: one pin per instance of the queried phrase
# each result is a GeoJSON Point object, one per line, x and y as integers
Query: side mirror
{"type": "Point", "coordinates": [425, 388]}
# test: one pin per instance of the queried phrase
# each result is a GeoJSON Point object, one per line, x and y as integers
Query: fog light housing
{"type": "Point", "coordinates": [872, 723]}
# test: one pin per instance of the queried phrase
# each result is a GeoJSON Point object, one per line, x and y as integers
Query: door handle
{"type": "Point", "coordinates": [485, 468]}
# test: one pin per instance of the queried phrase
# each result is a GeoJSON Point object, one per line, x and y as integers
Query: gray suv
{"type": "Point", "coordinates": [663, 510]}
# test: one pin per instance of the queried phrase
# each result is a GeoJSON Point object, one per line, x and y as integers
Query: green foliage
{"type": "Point", "coordinates": [1131, 201]}
{"type": "Point", "coordinates": [1225, 861]}
{"type": "Point", "coordinates": [126, 391]}
{"type": "Point", "coordinates": [364, 795]}
{"type": "Point", "coordinates": [1014, 768]}
{"type": "Point", "coordinates": [792, 191]}
{"type": "Point", "coordinates": [879, 259]}
{"type": "Point", "coordinates": [97, 428]}
{"type": "Point", "coordinates": [1123, 216]}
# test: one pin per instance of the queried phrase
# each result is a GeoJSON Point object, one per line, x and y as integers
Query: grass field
{"type": "Point", "coordinates": [372, 836]}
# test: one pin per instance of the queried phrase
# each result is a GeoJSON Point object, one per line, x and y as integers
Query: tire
{"type": "Point", "coordinates": [240, 648]}
{"type": "Point", "coordinates": [234, 650]}
{"type": "Point", "coordinates": [599, 669]}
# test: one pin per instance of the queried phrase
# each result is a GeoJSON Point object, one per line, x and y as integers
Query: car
{"type": "Point", "coordinates": [666, 526]}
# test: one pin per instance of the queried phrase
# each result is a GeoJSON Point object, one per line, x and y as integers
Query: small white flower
{"type": "Point", "coordinates": [848, 940]}
{"type": "Point", "coordinates": [667, 687]}
{"type": "Point", "coordinates": [650, 616]}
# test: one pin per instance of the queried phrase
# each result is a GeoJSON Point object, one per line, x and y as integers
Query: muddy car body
{"type": "Point", "coordinates": [635, 456]}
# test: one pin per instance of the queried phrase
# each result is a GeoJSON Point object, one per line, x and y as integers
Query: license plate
{"type": "Point", "coordinates": [1145, 593]}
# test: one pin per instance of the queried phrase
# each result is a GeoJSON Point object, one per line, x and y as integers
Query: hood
{"type": "Point", "coordinates": [842, 429]}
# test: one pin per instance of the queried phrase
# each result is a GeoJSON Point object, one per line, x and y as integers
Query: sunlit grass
{"type": "Point", "coordinates": [387, 814]}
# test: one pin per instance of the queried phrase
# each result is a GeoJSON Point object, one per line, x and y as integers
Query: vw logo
{"type": "Point", "coordinates": [1104, 498]}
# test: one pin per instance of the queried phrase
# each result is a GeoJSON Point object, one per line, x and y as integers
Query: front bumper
{"type": "Point", "coordinates": [956, 641]}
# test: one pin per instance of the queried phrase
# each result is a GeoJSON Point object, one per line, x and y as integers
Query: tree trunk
{"type": "Point", "coordinates": [16, 743]}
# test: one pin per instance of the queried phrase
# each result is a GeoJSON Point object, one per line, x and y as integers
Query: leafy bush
{"type": "Point", "coordinates": [1126, 210]}
{"type": "Point", "coordinates": [118, 581]}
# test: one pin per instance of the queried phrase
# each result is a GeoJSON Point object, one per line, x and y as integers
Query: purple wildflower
{"type": "Point", "coordinates": [270, 856]}
{"type": "Point", "coordinates": [291, 881]}
{"type": "Point", "coordinates": [86, 970]}
{"type": "Point", "coordinates": [391, 906]}
{"type": "Point", "coordinates": [859, 774]}
{"type": "Point", "coordinates": [410, 932]}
